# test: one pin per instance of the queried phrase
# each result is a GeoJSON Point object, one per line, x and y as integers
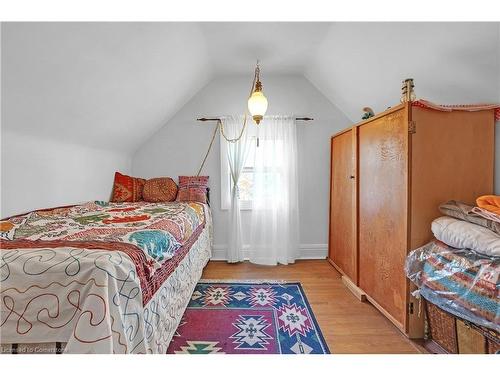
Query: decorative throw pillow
{"type": "Point", "coordinates": [193, 189]}
{"type": "Point", "coordinates": [127, 189]}
{"type": "Point", "coordinates": [162, 189]}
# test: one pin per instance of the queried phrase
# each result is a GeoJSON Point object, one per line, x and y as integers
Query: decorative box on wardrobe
{"type": "Point", "coordinates": [388, 176]}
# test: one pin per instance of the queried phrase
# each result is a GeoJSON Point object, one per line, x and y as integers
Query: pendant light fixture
{"type": "Point", "coordinates": [257, 102]}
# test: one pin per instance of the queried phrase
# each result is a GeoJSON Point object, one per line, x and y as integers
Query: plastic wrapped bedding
{"type": "Point", "coordinates": [462, 282]}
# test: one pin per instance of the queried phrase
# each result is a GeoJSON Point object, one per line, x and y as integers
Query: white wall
{"type": "Point", "coordinates": [497, 130]}
{"type": "Point", "coordinates": [178, 148]}
{"type": "Point", "coordinates": [39, 173]}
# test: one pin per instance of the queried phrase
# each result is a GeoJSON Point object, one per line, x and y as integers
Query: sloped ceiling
{"type": "Point", "coordinates": [363, 64]}
{"type": "Point", "coordinates": [113, 85]}
{"type": "Point", "coordinates": [282, 47]}
{"type": "Point", "coordinates": [107, 85]}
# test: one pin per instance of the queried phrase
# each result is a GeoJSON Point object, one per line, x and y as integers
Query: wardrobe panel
{"type": "Point", "coordinates": [383, 211]}
{"type": "Point", "coordinates": [453, 158]}
{"type": "Point", "coordinates": [342, 243]}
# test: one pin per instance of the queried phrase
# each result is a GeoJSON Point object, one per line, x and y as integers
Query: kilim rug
{"type": "Point", "coordinates": [248, 317]}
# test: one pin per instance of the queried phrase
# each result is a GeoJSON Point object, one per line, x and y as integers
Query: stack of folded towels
{"type": "Point", "coordinates": [467, 227]}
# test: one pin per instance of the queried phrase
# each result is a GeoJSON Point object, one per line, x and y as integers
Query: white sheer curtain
{"type": "Point", "coordinates": [275, 207]}
{"type": "Point", "coordinates": [237, 153]}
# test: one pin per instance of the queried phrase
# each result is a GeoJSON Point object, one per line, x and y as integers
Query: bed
{"type": "Point", "coordinates": [100, 277]}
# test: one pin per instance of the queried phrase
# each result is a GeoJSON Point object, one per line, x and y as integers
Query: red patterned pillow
{"type": "Point", "coordinates": [127, 189]}
{"type": "Point", "coordinates": [162, 189]}
{"type": "Point", "coordinates": [193, 189]}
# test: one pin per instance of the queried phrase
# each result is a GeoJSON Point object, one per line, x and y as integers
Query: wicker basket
{"type": "Point", "coordinates": [450, 334]}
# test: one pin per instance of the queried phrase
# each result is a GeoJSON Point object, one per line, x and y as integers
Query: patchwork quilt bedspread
{"type": "Point", "coordinates": [158, 229]}
{"type": "Point", "coordinates": [101, 277]}
{"type": "Point", "coordinates": [459, 281]}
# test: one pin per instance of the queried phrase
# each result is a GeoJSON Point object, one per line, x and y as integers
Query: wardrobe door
{"type": "Point", "coordinates": [383, 202]}
{"type": "Point", "coordinates": [342, 245]}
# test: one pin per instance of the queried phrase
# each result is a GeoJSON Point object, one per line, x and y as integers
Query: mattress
{"type": "Point", "coordinates": [459, 281]}
{"type": "Point", "coordinates": [101, 277]}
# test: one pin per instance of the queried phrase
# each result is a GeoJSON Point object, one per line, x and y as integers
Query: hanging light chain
{"type": "Point", "coordinates": [233, 140]}
{"type": "Point", "coordinates": [256, 79]}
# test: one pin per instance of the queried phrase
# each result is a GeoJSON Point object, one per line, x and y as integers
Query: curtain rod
{"type": "Point", "coordinates": [218, 119]}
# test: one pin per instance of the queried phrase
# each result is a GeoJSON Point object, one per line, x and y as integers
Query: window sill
{"type": "Point", "coordinates": [244, 206]}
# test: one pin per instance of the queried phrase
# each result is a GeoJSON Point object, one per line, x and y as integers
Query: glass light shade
{"type": "Point", "coordinates": [257, 106]}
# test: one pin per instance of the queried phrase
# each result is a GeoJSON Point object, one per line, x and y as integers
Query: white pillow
{"type": "Point", "coordinates": [464, 235]}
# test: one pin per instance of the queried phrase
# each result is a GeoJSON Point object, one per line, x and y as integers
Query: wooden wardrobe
{"type": "Point", "coordinates": [388, 176]}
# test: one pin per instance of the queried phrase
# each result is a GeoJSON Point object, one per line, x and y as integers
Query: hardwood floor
{"type": "Point", "coordinates": [349, 326]}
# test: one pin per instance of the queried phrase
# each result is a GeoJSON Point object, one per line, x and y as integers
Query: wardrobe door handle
{"type": "Point", "coordinates": [352, 177]}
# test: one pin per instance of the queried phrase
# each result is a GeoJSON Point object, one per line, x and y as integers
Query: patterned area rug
{"type": "Point", "coordinates": [248, 317]}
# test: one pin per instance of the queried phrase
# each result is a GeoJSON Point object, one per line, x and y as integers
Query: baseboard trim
{"type": "Point", "coordinates": [306, 251]}
{"type": "Point", "coordinates": [354, 289]}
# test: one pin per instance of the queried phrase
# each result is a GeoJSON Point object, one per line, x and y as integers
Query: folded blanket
{"type": "Point", "coordinates": [488, 215]}
{"type": "Point", "coordinates": [463, 211]}
{"type": "Point", "coordinates": [490, 203]}
{"type": "Point", "coordinates": [464, 235]}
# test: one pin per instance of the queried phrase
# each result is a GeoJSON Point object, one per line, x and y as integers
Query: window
{"type": "Point", "coordinates": [271, 173]}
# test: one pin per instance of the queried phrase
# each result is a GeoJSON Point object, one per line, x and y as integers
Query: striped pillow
{"type": "Point", "coordinates": [192, 189]}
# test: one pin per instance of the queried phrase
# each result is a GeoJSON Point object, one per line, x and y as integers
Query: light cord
{"type": "Point", "coordinates": [209, 148]}
{"type": "Point", "coordinates": [256, 77]}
